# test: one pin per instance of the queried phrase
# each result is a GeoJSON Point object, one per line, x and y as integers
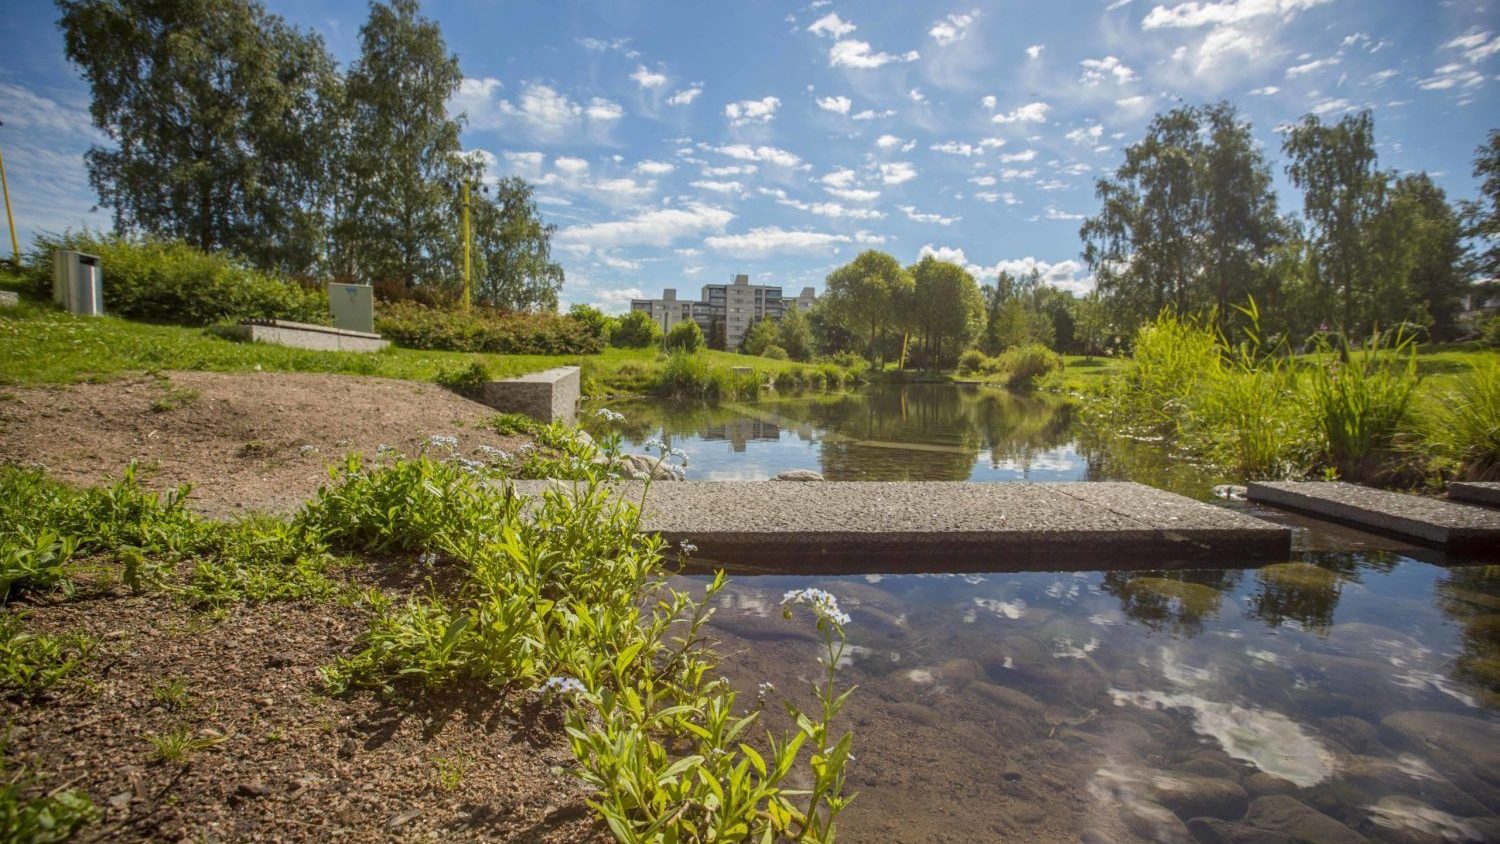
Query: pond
{"type": "Point", "coordinates": [1350, 693]}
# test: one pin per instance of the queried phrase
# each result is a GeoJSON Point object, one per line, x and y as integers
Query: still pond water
{"type": "Point", "coordinates": [1349, 694]}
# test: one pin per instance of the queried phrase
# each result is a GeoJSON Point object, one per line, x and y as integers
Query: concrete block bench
{"type": "Point", "coordinates": [302, 335]}
{"type": "Point", "coordinates": [548, 396]}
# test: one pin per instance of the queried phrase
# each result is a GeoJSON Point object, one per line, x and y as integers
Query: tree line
{"type": "Point", "coordinates": [235, 131]}
{"type": "Point", "coordinates": [1190, 221]}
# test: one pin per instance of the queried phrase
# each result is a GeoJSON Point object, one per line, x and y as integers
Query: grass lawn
{"type": "Point", "coordinates": [40, 344]}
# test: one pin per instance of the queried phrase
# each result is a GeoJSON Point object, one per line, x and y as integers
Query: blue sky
{"type": "Point", "coordinates": [677, 143]}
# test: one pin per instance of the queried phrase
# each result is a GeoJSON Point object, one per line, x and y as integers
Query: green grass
{"type": "Point", "coordinates": [42, 345]}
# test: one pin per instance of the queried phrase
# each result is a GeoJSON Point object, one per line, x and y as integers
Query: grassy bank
{"type": "Point", "coordinates": [40, 344]}
{"type": "Point", "coordinates": [1384, 412]}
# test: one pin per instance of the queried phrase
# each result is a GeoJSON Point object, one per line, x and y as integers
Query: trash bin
{"type": "Point", "coordinates": [78, 282]}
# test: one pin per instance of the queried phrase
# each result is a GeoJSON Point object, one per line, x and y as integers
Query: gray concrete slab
{"type": "Point", "coordinates": [1453, 526]}
{"type": "Point", "coordinates": [303, 335]}
{"type": "Point", "coordinates": [1476, 492]}
{"type": "Point", "coordinates": [930, 526]}
{"type": "Point", "coordinates": [547, 396]}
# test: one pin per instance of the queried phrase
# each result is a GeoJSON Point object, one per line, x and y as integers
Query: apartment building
{"type": "Point", "coordinates": [735, 306]}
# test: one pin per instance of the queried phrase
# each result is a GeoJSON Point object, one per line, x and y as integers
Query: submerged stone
{"type": "Point", "coordinates": [1299, 575]}
{"type": "Point", "coordinates": [1465, 750]}
{"type": "Point", "coordinates": [1006, 697]}
{"type": "Point", "coordinates": [1279, 813]}
{"type": "Point", "coordinates": [1154, 822]}
{"type": "Point", "coordinates": [1193, 796]}
{"type": "Point", "coordinates": [1215, 831]}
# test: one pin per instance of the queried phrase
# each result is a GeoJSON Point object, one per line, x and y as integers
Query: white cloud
{"type": "Point", "coordinates": [1086, 135]}
{"type": "Point", "coordinates": [657, 227]}
{"type": "Point", "coordinates": [840, 105]}
{"type": "Point", "coordinates": [859, 55]}
{"type": "Point", "coordinates": [917, 96]}
{"type": "Point", "coordinates": [766, 241]}
{"type": "Point", "coordinates": [719, 187]}
{"type": "Point", "coordinates": [685, 96]}
{"type": "Point", "coordinates": [762, 110]}
{"type": "Point", "coordinates": [603, 110]}
{"type": "Point", "coordinates": [841, 178]}
{"type": "Point", "coordinates": [1013, 157]}
{"type": "Point", "coordinates": [897, 172]}
{"type": "Point", "coordinates": [952, 28]}
{"type": "Point", "coordinates": [1380, 77]}
{"type": "Point", "coordinates": [1194, 14]}
{"type": "Point", "coordinates": [571, 166]}
{"type": "Point", "coordinates": [985, 181]}
{"type": "Point", "coordinates": [853, 194]}
{"type": "Point", "coordinates": [527, 165]}
{"type": "Point", "coordinates": [615, 263]}
{"type": "Point", "coordinates": [1225, 42]}
{"type": "Point", "coordinates": [1064, 275]}
{"type": "Point", "coordinates": [1476, 46]}
{"type": "Point", "coordinates": [957, 148]}
{"type": "Point", "coordinates": [1451, 75]}
{"type": "Point", "coordinates": [541, 111]}
{"type": "Point", "coordinates": [1096, 71]}
{"type": "Point", "coordinates": [1137, 101]}
{"type": "Point", "coordinates": [1029, 113]}
{"type": "Point", "coordinates": [648, 79]}
{"type": "Point", "coordinates": [1332, 106]}
{"type": "Point", "coordinates": [914, 215]}
{"type": "Point", "coordinates": [730, 170]}
{"type": "Point", "coordinates": [655, 168]}
{"type": "Point", "coordinates": [989, 102]}
{"type": "Point", "coordinates": [1309, 67]}
{"type": "Point", "coordinates": [872, 114]}
{"type": "Point", "coordinates": [831, 25]}
{"type": "Point", "coordinates": [1267, 91]}
{"type": "Point", "coordinates": [1035, 51]}
{"type": "Point", "coordinates": [893, 142]}
{"type": "Point", "coordinates": [762, 154]}
{"type": "Point", "coordinates": [830, 209]}
{"type": "Point", "coordinates": [1010, 174]}
{"type": "Point", "coordinates": [991, 196]}
{"type": "Point", "coordinates": [600, 45]}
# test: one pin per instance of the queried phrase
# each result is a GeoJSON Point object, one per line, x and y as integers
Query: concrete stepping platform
{"type": "Point", "coordinates": [1453, 526]}
{"type": "Point", "coordinates": [843, 526]}
{"type": "Point", "coordinates": [1475, 492]}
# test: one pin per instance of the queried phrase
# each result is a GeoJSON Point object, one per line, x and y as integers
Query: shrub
{"type": "Point", "coordinates": [484, 330]}
{"type": "Point", "coordinates": [597, 322]}
{"type": "Point", "coordinates": [635, 330]}
{"type": "Point", "coordinates": [467, 381]}
{"type": "Point", "coordinates": [1022, 365]}
{"type": "Point", "coordinates": [774, 353]}
{"type": "Point", "coordinates": [971, 361]}
{"type": "Point", "coordinates": [1490, 333]}
{"type": "Point", "coordinates": [170, 281]}
{"type": "Point", "coordinates": [685, 336]}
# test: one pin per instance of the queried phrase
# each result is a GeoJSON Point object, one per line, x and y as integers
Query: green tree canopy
{"type": "Point", "coordinates": [794, 334]}
{"type": "Point", "coordinates": [223, 118]}
{"type": "Point", "coordinates": [946, 306]}
{"type": "Point", "coordinates": [864, 294]}
{"type": "Point", "coordinates": [402, 170]}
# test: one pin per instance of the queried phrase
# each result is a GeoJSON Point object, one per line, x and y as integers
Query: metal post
{"type": "Point", "coordinates": [15, 247]}
{"type": "Point", "coordinates": [466, 245]}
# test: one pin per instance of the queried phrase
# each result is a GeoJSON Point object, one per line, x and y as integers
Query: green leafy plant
{"type": "Point", "coordinates": [1461, 426]}
{"type": "Point", "coordinates": [173, 693]}
{"type": "Point", "coordinates": [29, 813]}
{"type": "Point", "coordinates": [31, 663]}
{"type": "Point", "coordinates": [467, 381]}
{"type": "Point", "coordinates": [180, 743]}
{"type": "Point", "coordinates": [416, 326]}
{"type": "Point", "coordinates": [685, 336]}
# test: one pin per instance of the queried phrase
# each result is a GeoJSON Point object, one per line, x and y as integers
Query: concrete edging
{"type": "Point", "coordinates": [302, 335]}
{"type": "Point", "coordinates": [1444, 523]}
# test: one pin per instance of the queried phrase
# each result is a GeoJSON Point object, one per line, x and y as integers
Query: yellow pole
{"type": "Point", "coordinates": [466, 245]}
{"type": "Point", "coordinates": [15, 248]}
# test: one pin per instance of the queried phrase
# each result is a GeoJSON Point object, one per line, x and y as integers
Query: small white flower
{"type": "Point", "coordinates": [428, 558]}
{"type": "Point", "coordinates": [680, 454]}
{"type": "Point", "coordinates": [687, 547]}
{"type": "Point", "coordinates": [562, 686]}
{"type": "Point", "coordinates": [654, 445]}
{"type": "Point", "coordinates": [443, 441]}
{"type": "Point", "coordinates": [823, 604]}
{"type": "Point", "coordinates": [495, 454]}
{"type": "Point", "coordinates": [609, 415]}
{"type": "Point", "coordinates": [763, 691]}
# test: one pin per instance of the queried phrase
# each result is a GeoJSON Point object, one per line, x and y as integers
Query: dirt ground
{"type": "Point", "coordinates": [280, 761]}
{"type": "Point", "coordinates": [246, 442]}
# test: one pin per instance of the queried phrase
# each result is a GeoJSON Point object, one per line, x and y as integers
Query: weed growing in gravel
{"type": "Point", "coordinates": [179, 743]}
{"type": "Point", "coordinates": [31, 663]}
{"type": "Point", "coordinates": [448, 774]}
{"type": "Point", "coordinates": [173, 694]}
{"type": "Point", "coordinates": [29, 813]}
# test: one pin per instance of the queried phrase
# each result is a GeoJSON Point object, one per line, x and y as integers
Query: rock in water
{"type": "Point", "coordinates": [1154, 822]}
{"type": "Point", "coordinates": [1194, 796]}
{"type": "Point", "coordinates": [798, 475]}
{"type": "Point", "coordinates": [1465, 750]}
{"type": "Point", "coordinates": [1279, 813]}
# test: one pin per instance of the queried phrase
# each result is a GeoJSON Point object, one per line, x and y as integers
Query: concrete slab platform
{"type": "Point", "coordinates": [851, 526]}
{"type": "Point", "coordinates": [1453, 526]}
{"type": "Point", "coordinates": [1475, 492]}
{"type": "Point", "coordinates": [304, 335]}
{"type": "Point", "coordinates": [547, 396]}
